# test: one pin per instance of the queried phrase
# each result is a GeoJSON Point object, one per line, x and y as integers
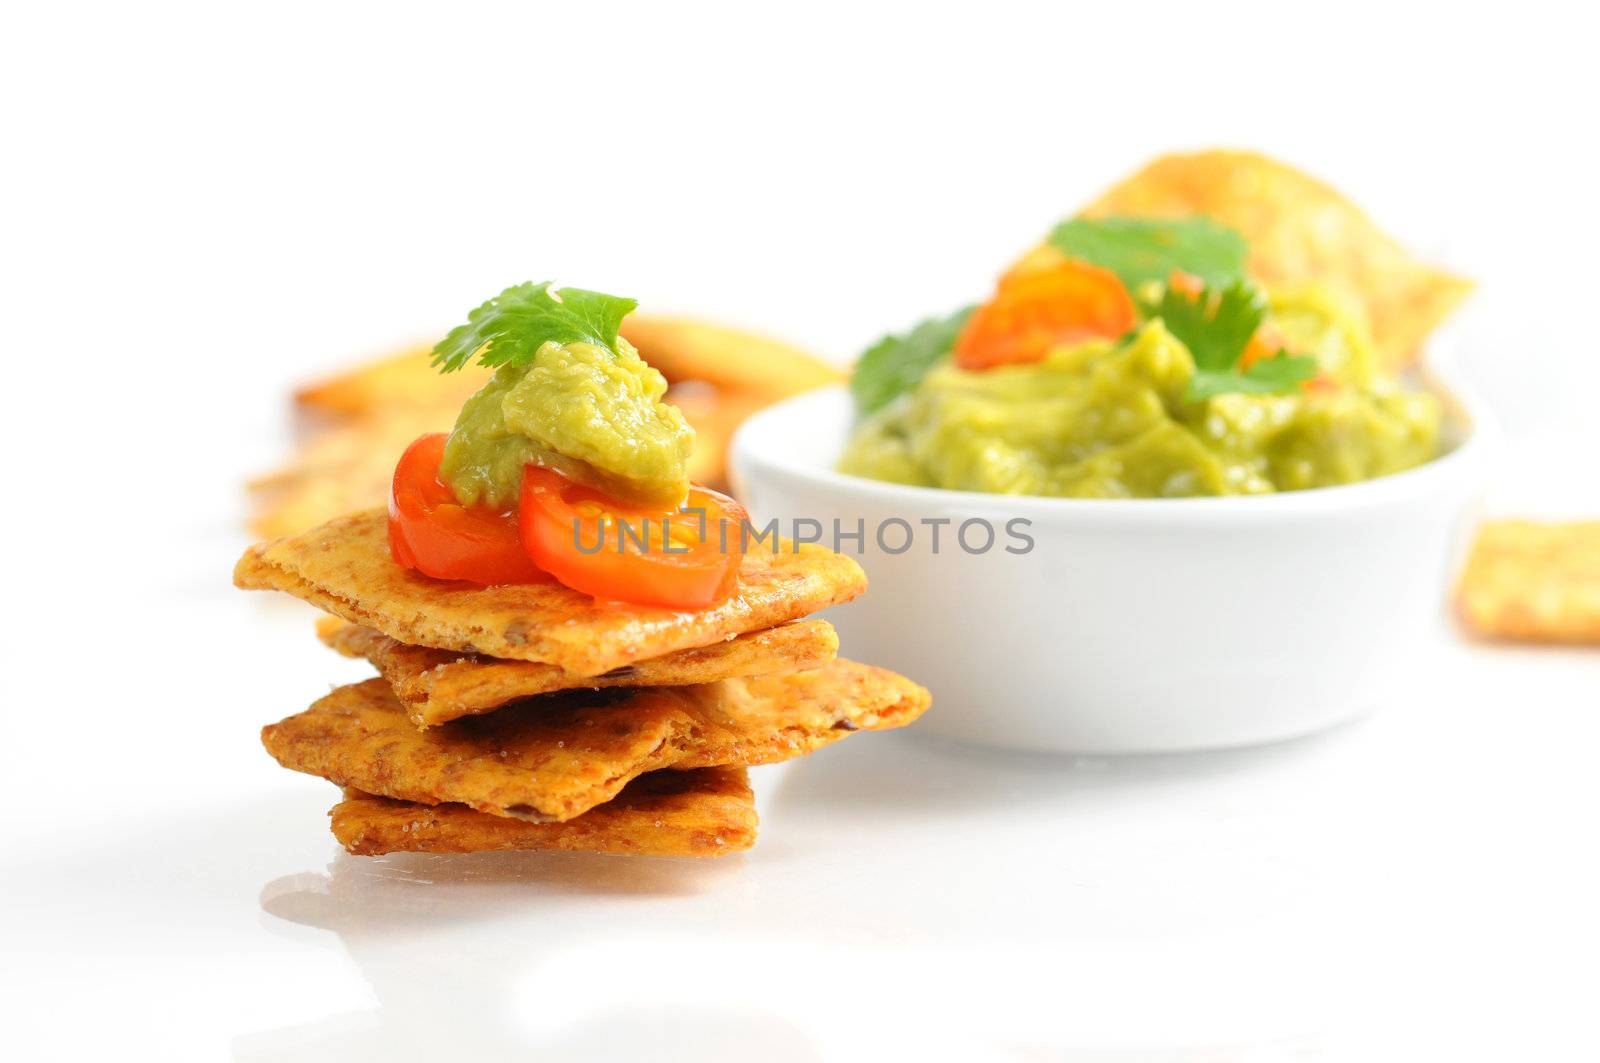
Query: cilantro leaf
{"type": "Point", "coordinates": [509, 328]}
{"type": "Point", "coordinates": [1217, 326]}
{"type": "Point", "coordinates": [1140, 250]}
{"type": "Point", "coordinates": [896, 364]}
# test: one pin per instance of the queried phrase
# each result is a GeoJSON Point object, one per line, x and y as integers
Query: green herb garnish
{"type": "Point", "coordinates": [1216, 326]}
{"type": "Point", "coordinates": [896, 364]}
{"type": "Point", "coordinates": [509, 328]}
{"type": "Point", "coordinates": [1141, 250]}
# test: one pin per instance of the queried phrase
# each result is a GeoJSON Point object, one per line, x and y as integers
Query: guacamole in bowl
{"type": "Point", "coordinates": [1167, 374]}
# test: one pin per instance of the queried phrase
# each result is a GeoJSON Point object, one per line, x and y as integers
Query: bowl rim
{"type": "Point", "coordinates": [1464, 410]}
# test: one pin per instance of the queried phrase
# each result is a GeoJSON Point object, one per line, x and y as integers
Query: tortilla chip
{"type": "Point", "coordinates": [1300, 232]}
{"type": "Point", "coordinates": [729, 359]}
{"type": "Point", "coordinates": [437, 686]}
{"type": "Point", "coordinates": [344, 567]}
{"type": "Point", "coordinates": [555, 757]}
{"type": "Point", "coordinates": [404, 379]}
{"type": "Point", "coordinates": [343, 469]}
{"type": "Point", "coordinates": [1534, 582]}
{"type": "Point", "coordinates": [714, 415]}
{"type": "Point", "coordinates": [710, 812]}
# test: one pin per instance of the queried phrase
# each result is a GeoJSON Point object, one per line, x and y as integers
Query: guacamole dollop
{"type": "Point", "coordinates": [1111, 419]}
{"type": "Point", "coordinates": [588, 411]}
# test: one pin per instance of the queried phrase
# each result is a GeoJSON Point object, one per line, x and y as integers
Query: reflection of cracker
{"type": "Point", "coordinates": [1300, 232]}
{"type": "Point", "coordinates": [709, 812]}
{"type": "Point", "coordinates": [554, 757]}
{"type": "Point", "coordinates": [345, 568]}
{"type": "Point", "coordinates": [437, 686]}
{"type": "Point", "coordinates": [1535, 582]}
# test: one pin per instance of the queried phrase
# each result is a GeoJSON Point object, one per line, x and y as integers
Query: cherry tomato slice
{"type": "Point", "coordinates": [434, 534]}
{"type": "Point", "coordinates": [596, 545]}
{"type": "Point", "coordinates": [1041, 309]}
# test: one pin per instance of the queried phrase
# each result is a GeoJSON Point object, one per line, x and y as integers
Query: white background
{"type": "Point", "coordinates": [203, 205]}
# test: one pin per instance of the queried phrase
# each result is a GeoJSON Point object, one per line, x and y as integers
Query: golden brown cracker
{"type": "Point", "coordinates": [709, 812]}
{"type": "Point", "coordinates": [555, 757]}
{"type": "Point", "coordinates": [437, 686]}
{"type": "Point", "coordinates": [1300, 232]}
{"type": "Point", "coordinates": [730, 359]}
{"type": "Point", "coordinates": [1534, 582]}
{"type": "Point", "coordinates": [344, 567]}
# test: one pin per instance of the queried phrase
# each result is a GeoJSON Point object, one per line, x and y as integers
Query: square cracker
{"type": "Point", "coordinates": [709, 812]}
{"type": "Point", "coordinates": [557, 756]}
{"type": "Point", "coordinates": [344, 567]}
{"type": "Point", "coordinates": [1534, 582]}
{"type": "Point", "coordinates": [437, 686]}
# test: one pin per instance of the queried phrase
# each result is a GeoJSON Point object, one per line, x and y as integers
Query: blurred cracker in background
{"type": "Point", "coordinates": [1300, 232]}
{"type": "Point", "coordinates": [353, 426]}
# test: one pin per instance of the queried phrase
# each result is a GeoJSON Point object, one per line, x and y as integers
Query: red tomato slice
{"type": "Point", "coordinates": [1040, 309]}
{"type": "Point", "coordinates": [434, 534]}
{"type": "Point", "coordinates": [596, 545]}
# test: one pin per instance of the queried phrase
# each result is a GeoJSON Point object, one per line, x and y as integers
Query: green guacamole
{"type": "Point", "coordinates": [593, 414]}
{"type": "Point", "coordinates": [1111, 420]}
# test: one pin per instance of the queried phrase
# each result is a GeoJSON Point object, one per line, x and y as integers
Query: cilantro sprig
{"type": "Point", "coordinates": [1216, 325]}
{"type": "Point", "coordinates": [1141, 250]}
{"type": "Point", "coordinates": [509, 328]}
{"type": "Point", "coordinates": [896, 364]}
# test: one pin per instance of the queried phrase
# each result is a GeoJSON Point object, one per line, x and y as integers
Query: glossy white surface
{"type": "Point", "coordinates": [1418, 885]}
{"type": "Point", "coordinates": [1127, 626]}
{"type": "Point", "coordinates": [227, 197]}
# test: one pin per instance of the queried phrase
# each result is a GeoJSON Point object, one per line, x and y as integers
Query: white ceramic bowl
{"type": "Point", "coordinates": [1136, 625]}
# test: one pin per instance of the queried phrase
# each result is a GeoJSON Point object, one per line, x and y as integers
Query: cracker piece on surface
{"type": "Point", "coordinates": [708, 812]}
{"type": "Point", "coordinates": [1534, 582]}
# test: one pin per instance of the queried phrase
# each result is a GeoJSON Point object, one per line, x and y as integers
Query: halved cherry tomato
{"type": "Point", "coordinates": [1038, 310]}
{"type": "Point", "coordinates": [596, 545]}
{"type": "Point", "coordinates": [433, 533]}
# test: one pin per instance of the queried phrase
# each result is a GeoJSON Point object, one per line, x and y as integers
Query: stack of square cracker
{"type": "Point", "coordinates": [535, 717]}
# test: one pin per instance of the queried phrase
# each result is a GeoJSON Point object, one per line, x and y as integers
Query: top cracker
{"type": "Point", "coordinates": [344, 566]}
